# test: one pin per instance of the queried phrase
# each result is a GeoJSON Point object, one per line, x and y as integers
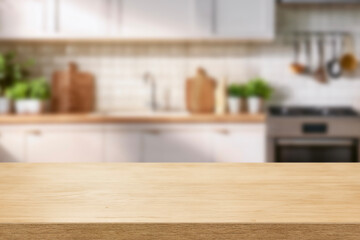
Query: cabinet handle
{"type": "Point", "coordinates": [223, 131]}
{"type": "Point", "coordinates": [154, 132]}
{"type": "Point", "coordinates": [34, 132]}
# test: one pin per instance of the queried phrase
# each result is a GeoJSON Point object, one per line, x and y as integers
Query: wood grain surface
{"type": "Point", "coordinates": [72, 91]}
{"type": "Point", "coordinates": [179, 231]}
{"type": "Point", "coordinates": [179, 201]}
{"type": "Point", "coordinates": [200, 93]}
{"type": "Point", "coordinates": [100, 118]}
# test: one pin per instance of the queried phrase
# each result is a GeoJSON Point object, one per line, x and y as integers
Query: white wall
{"type": "Point", "coordinates": [119, 67]}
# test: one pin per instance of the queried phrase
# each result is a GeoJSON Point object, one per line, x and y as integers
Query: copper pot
{"type": "Point", "coordinates": [349, 62]}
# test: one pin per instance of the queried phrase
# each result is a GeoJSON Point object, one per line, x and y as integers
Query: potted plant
{"type": "Point", "coordinates": [258, 90]}
{"type": "Point", "coordinates": [235, 93]}
{"type": "Point", "coordinates": [11, 71]}
{"type": "Point", "coordinates": [29, 96]}
{"type": "Point", "coordinates": [39, 93]}
{"type": "Point", "coordinates": [19, 92]}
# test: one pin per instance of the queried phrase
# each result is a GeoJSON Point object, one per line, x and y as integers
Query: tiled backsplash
{"type": "Point", "coordinates": [119, 68]}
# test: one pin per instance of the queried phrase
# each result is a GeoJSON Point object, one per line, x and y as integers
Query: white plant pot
{"type": "Point", "coordinates": [29, 106]}
{"type": "Point", "coordinates": [21, 106]}
{"type": "Point", "coordinates": [254, 105]}
{"type": "Point", "coordinates": [234, 105]}
{"type": "Point", "coordinates": [35, 106]}
{"type": "Point", "coordinates": [4, 105]}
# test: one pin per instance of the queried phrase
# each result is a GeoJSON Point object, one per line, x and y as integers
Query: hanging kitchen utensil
{"type": "Point", "coordinates": [308, 65]}
{"type": "Point", "coordinates": [349, 63]}
{"type": "Point", "coordinates": [334, 68]}
{"type": "Point", "coordinates": [320, 74]}
{"type": "Point", "coordinates": [296, 67]}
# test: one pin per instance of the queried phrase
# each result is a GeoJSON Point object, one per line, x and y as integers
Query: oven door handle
{"type": "Point", "coordinates": [316, 142]}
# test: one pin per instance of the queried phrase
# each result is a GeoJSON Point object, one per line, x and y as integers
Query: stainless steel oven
{"type": "Point", "coordinates": [303, 135]}
{"type": "Point", "coordinates": [316, 150]}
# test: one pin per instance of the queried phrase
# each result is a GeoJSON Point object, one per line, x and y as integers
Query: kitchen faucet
{"type": "Point", "coordinates": [149, 79]}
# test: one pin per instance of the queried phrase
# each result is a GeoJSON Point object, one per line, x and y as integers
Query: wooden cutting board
{"type": "Point", "coordinates": [73, 91]}
{"type": "Point", "coordinates": [200, 93]}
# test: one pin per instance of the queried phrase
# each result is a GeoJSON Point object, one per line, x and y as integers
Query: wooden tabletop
{"type": "Point", "coordinates": [187, 193]}
{"type": "Point", "coordinates": [131, 118]}
{"type": "Point", "coordinates": [227, 196]}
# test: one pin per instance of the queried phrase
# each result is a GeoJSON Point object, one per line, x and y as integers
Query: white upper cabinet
{"type": "Point", "coordinates": [245, 19]}
{"type": "Point", "coordinates": [83, 17]}
{"type": "Point", "coordinates": [202, 14]}
{"type": "Point", "coordinates": [138, 19]}
{"type": "Point", "coordinates": [24, 18]}
{"type": "Point", "coordinates": [166, 18]}
{"type": "Point", "coordinates": [208, 19]}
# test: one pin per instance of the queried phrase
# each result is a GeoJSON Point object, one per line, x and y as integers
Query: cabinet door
{"type": "Point", "coordinates": [64, 144]}
{"type": "Point", "coordinates": [245, 19]}
{"type": "Point", "coordinates": [12, 145]}
{"type": "Point", "coordinates": [245, 143]}
{"type": "Point", "coordinates": [83, 17]}
{"type": "Point", "coordinates": [122, 146]}
{"type": "Point", "coordinates": [23, 18]}
{"type": "Point", "coordinates": [166, 18]}
{"type": "Point", "coordinates": [202, 16]}
{"type": "Point", "coordinates": [176, 146]}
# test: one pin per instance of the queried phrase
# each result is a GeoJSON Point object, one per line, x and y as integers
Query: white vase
{"type": "Point", "coordinates": [29, 106]}
{"type": "Point", "coordinates": [4, 105]}
{"type": "Point", "coordinates": [254, 105]}
{"type": "Point", "coordinates": [234, 105]}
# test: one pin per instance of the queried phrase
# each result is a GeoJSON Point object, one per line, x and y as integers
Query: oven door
{"type": "Point", "coordinates": [316, 150]}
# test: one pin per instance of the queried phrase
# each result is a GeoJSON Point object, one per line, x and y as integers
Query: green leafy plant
{"type": "Point", "coordinates": [18, 91]}
{"type": "Point", "coordinates": [39, 89]}
{"type": "Point", "coordinates": [12, 70]}
{"type": "Point", "coordinates": [258, 87]}
{"type": "Point", "coordinates": [236, 90]}
{"type": "Point", "coordinates": [34, 89]}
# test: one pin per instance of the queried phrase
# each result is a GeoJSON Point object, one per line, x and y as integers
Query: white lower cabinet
{"type": "Point", "coordinates": [12, 145]}
{"type": "Point", "coordinates": [177, 146]}
{"type": "Point", "coordinates": [244, 143]}
{"type": "Point", "coordinates": [208, 143]}
{"type": "Point", "coordinates": [121, 145]}
{"type": "Point", "coordinates": [64, 144]}
{"type": "Point", "coordinates": [133, 143]}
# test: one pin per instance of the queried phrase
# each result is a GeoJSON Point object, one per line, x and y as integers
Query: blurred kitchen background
{"type": "Point", "coordinates": [112, 66]}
